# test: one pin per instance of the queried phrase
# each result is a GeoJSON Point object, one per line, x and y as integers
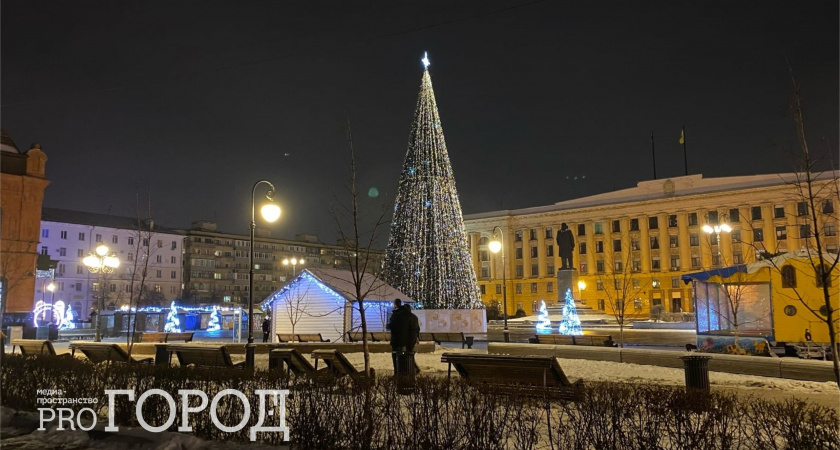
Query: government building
{"type": "Point", "coordinates": [634, 245]}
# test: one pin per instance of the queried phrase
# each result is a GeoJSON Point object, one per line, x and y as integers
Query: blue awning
{"type": "Point", "coordinates": [724, 272]}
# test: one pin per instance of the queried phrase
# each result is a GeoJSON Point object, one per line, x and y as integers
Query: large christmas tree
{"type": "Point", "coordinates": [428, 257]}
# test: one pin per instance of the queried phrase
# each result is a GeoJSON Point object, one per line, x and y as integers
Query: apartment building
{"type": "Point", "coordinates": [217, 265]}
{"type": "Point", "coordinates": [68, 236]}
{"type": "Point", "coordinates": [638, 242]}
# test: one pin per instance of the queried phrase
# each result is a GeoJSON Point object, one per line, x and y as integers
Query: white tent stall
{"type": "Point", "coordinates": [323, 301]}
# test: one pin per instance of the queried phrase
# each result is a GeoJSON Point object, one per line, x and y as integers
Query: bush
{"type": "Point", "coordinates": [441, 413]}
{"type": "Point", "coordinates": [520, 313]}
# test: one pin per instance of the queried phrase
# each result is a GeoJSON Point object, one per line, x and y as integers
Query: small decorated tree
{"type": "Point", "coordinates": [544, 324]}
{"type": "Point", "coordinates": [215, 320]}
{"type": "Point", "coordinates": [173, 325]}
{"type": "Point", "coordinates": [570, 324]}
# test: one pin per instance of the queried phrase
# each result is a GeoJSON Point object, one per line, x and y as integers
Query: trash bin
{"type": "Point", "coordinates": [696, 371]}
{"type": "Point", "coordinates": [42, 333]}
{"type": "Point", "coordinates": [405, 372]}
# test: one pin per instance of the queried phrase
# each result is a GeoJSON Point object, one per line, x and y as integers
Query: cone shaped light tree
{"type": "Point", "coordinates": [428, 256]}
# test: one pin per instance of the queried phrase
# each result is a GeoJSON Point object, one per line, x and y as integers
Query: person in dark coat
{"type": "Point", "coordinates": [566, 245]}
{"type": "Point", "coordinates": [413, 336]}
{"type": "Point", "coordinates": [400, 325]}
{"type": "Point", "coordinates": [266, 327]}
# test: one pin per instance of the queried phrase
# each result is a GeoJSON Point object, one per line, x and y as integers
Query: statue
{"type": "Point", "coordinates": [566, 245]}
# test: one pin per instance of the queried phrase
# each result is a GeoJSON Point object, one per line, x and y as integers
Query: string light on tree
{"type": "Point", "coordinates": [173, 324]}
{"type": "Point", "coordinates": [214, 324]}
{"type": "Point", "coordinates": [570, 324]}
{"type": "Point", "coordinates": [544, 323]}
{"type": "Point", "coordinates": [427, 256]}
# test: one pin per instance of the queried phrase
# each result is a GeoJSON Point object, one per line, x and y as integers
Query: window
{"type": "Point", "coordinates": [159, 259]}
{"type": "Point", "coordinates": [81, 236]}
{"type": "Point", "coordinates": [788, 276]}
{"type": "Point", "coordinates": [115, 239]}
{"type": "Point", "coordinates": [828, 207]}
{"type": "Point", "coordinates": [498, 288]}
{"type": "Point", "coordinates": [584, 268]}
{"type": "Point", "coordinates": [601, 304]}
{"type": "Point", "coordinates": [581, 230]}
{"type": "Point", "coordinates": [637, 265]}
{"type": "Point", "coordinates": [616, 226]}
{"type": "Point", "coordinates": [533, 288]}
{"type": "Point", "coordinates": [549, 233]}
{"type": "Point", "coordinates": [617, 284]}
{"type": "Point", "coordinates": [599, 266]}
{"type": "Point", "coordinates": [549, 269]}
{"type": "Point", "coordinates": [779, 212]}
{"type": "Point", "coordinates": [675, 282]}
{"type": "Point", "coordinates": [113, 287]}
{"type": "Point", "coordinates": [599, 228]}
{"type": "Point", "coordinates": [145, 242]}
{"type": "Point", "coordinates": [518, 288]}
{"type": "Point", "coordinates": [173, 274]}
{"type": "Point", "coordinates": [62, 251]}
{"type": "Point", "coordinates": [45, 233]}
{"type": "Point", "coordinates": [533, 234]}
{"type": "Point", "coordinates": [692, 219]}
{"type": "Point", "coordinates": [95, 287]}
{"type": "Point", "coordinates": [130, 257]}
{"type": "Point", "coordinates": [823, 270]}
{"type": "Point", "coordinates": [157, 288]}
{"type": "Point", "coordinates": [756, 212]}
{"type": "Point", "coordinates": [483, 255]}
{"type": "Point", "coordinates": [637, 304]}
{"type": "Point", "coordinates": [637, 284]}
{"type": "Point", "coordinates": [734, 215]}
{"type": "Point", "coordinates": [483, 289]}
{"type": "Point", "coordinates": [712, 217]}
{"type": "Point", "coordinates": [158, 274]}
{"type": "Point", "coordinates": [159, 243]}
{"type": "Point", "coordinates": [672, 221]}
{"type": "Point", "coordinates": [517, 235]}
{"type": "Point", "coordinates": [694, 239]}
{"type": "Point", "coordinates": [674, 241]}
{"type": "Point", "coordinates": [599, 246]}
{"type": "Point", "coordinates": [830, 229]}
{"type": "Point", "coordinates": [737, 258]}
{"type": "Point", "coordinates": [790, 310]}
{"type": "Point", "coordinates": [619, 267]}
{"type": "Point", "coordinates": [485, 271]}
{"type": "Point", "coordinates": [616, 245]}
{"type": "Point", "coordinates": [98, 238]}
{"type": "Point", "coordinates": [131, 241]}
{"type": "Point", "coordinates": [549, 287]}
{"type": "Point", "coordinates": [61, 270]}
{"type": "Point", "coordinates": [758, 235]}
{"type": "Point", "coordinates": [801, 209]}
{"type": "Point", "coordinates": [634, 243]}
{"type": "Point", "coordinates": [716, 260]}
{"type": "Point", "coordinates": [45, 250]}
{"type": "Point", "coordinates": [654, 282]}
{"type": "Point", "coordinates": [549, 250]}
{"type": "Point", "coordinates": [80, 253]}
{"type": "Point", "coordinates": [519, 271]}
{"type": "Point", "coordinates": [534, 252]}
{"type": "Point", "coordinates": [654, 243]}
{"type": "Point", "coordinates": [653, 223]}
{"type": "Point", "coordinates": [804, 231]}
{"type": "Point", "coordinates": [78, 287]}
{"type": "Point", "coordinates": [695, 260]}
{"type": "Point", "coordinates": [174, 245]}
{"type": "Point", "coordinates": [736, 235]}
{"type": "Point", "coordinates": [600, 285]}
{"type": "Point", "coordinates": [781, 233]}
{"type": "Point", "coordinates": [713, 238]}
{"type": "Point", "coordinates": [582, 248]}
{"type": "Point", "coordinates": [634, 224]}
{"type": "Point", "coordinates": [518, 253]}
{"type": "Point", "coordinates": [63, 235]}
{"type": "Point", "coordinates": [172, 259]}
{"type": "Point", "coordinates": [80, 269]}
{"type": "Point", "coordinates": [619, 305]}
{"type": "Point", "coordinates": [675, 262]}
{"type": "Point", "coordinates": [535, 270]}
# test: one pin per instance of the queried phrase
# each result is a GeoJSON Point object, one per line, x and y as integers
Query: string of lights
{"type": "Point", "coordinates": [427, 256]}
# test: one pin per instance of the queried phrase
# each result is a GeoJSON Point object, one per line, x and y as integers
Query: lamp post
{"type": "Point", "coordinates": [270, 212]}
{"type": "Point", "coordinates": [102, 261]}
{"type": "Point", "coordinates": [294, 262]}
{"type": "Point", "coordinates": [495, 246]}
{"type": "Point", "coordinates": [51, 288]}
{"type": "Point", "coordinates": [716, 230]}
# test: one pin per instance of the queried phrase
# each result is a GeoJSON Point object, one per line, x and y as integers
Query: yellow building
{"type": "Point", "coordinates": [633, 245]}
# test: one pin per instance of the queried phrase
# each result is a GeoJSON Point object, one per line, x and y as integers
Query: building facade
{"type": "Point", "coordinates": [217, 264]}
{"type": "Point", "coordinates": [23, 182]}
{"type": "Point", "coordinates": [633, 245]}
{"type": "Point", "coordinates": [68, 236]}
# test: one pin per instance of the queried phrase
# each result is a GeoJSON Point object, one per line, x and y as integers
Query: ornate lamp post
{"type": "Point", "coordinates": [294, 262]}
{"type": "Point", "coordinates": [495, 246]}
{"type": "Point", "coordinates": [716, 230]}
{"type": "Point", "coordinates": [102, 261]}
{"type": "Point", "coordinates": [270, 212]}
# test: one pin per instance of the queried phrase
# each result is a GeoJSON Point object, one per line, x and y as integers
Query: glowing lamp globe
{"type": "Point", "coordinates": [90, 261]}
{"type": "Point", "coordinates": [270, 212]}
{"type": "Point", "coordinates": [495, 246]}
{"type": "Point", "coordinates": [102, 250]}
{"type": "Point", "coordinates": [112, 262]}
{"type": "Point", "coordinates": [725, 228]}
{"type": "Point", "coordinates": [708, 229]}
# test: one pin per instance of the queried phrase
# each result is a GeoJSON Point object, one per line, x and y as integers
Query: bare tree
{"type": "Point", "coordinates": [358, 232]}
{"type": "Point", "coordinates": [138, 269]}
{"type": "Point", "coordinates": [623, 286]}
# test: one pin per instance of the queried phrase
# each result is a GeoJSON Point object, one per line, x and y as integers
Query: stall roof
{"type": "Point", "coordinates": [776, 261]}
{"type": "Point", "coordinates": [341, 282]}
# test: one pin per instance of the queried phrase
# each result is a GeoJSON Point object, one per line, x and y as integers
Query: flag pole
{"type": "Point", "coordinates": [653, 154]}
{"type": "Point", "coordinates": [685, 152]}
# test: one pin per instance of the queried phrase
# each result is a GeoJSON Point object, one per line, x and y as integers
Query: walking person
{"type": "Point", "coordinates": [400, 331]}
{"type": "Point", "coordinates": [266, 327]}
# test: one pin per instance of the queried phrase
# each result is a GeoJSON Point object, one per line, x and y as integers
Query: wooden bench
{"type": "Point", "coordinates": [338, 364]}
{"type": "Point", "coordinates": [540, 375]}
{"type": "Point", "coordinates": [427, 336]}
{"type": "Point", "coordinates": [594, 340]}
{"type": "Point", "coordinates": [165, 337]}
{"type": "Point", "coordinates": [286, 337]}
{"type": "Point", "coordinates": [311, 337]}
{"type": "Point", "coordinates": [457, 338]}
{"type": "Point", "coordinates": [356, 336]}
{"type": "Point", "coordinates": [203, 355]}
{"type": "Point", "coordinates": [292, 359]}
{"type": "Point", "coordinates": [35, 347]}
{"type": "Point", "coordinates": [384, 336]}
{"type": "Point", "coordinates": [98, 352]}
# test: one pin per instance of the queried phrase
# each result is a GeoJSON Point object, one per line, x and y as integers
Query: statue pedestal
{"type": "Point", "coordinates": [566, 279]}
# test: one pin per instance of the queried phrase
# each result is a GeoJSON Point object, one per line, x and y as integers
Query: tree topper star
{"type": "Point", "coordinates": [425, 60]}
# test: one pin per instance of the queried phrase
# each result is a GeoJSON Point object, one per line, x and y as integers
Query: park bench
{"type": "Point", "coordinates": [382, 336]}
{"type": "Point", "coordinates": [427, 337]}
{"type": "Point", "coordinates": [292, 359]}
{"type": "Point", "coordinates": [356, 336]}
{"type": "Point", "coordinates": [458, 338]}
{"type": "Point", "coordinates": [165, 337]}
{"type": "Point", "coordinates": [534, 375]}
{"type": "Point", "coordinates": [98, 352]}
{"type": "Point", "coordinates": [203, 355]}
{"type": "Point", "coordinates": [594, 340]}
{"type": "Point", "coordinates": [34, 347]}
{"type": "Point", "coordinates": [286, 337]}
{"type": "Point", "coordinates": [311, 337]}
{"type": "Point", "coordinates": [337, 364]}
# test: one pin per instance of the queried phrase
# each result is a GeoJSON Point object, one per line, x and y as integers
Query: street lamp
{"type": "Point", "coordinates": [495, 246]}
{"type": "Point", "coordinates": [294, 262]}
{"type": "Point", "coordinates": [716, 230]}
{"type": "Point", "coordinates": [102, 261]}
{"type": "Point", "coordinates": [270, 212]}
{"type": "Point", "coordinates": [51, 288]}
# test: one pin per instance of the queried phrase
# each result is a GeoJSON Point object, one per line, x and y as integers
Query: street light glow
{"type": "Point", "coordinates": [495, 246]}
{"type": "Point", "coordinates": [270, 212]}
{"type": "Point", "coordinates": [102, 250]}
{"type": "Point", "coordinates": [581, 285]}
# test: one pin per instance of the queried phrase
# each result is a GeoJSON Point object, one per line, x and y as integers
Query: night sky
{"type": "Point", "coordinates": [540, 101]}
